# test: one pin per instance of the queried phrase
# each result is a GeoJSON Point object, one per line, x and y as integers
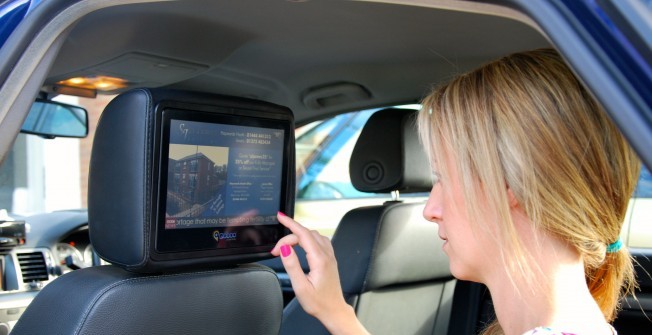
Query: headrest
{"type": "Point", "coordinates": [381, 246]}
{"type": "Point", "coordinates": [129, 207]}
{"type": "Point", "coordinates": [388, 155]}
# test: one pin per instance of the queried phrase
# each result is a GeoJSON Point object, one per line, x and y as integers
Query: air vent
{"type": "Point", "coordinates": [32, 266]}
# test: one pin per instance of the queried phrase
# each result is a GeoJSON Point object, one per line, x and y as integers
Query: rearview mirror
{"type": "Point", "coordinates": [52, 119]}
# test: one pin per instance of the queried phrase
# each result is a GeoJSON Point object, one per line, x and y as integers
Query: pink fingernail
{"type": "Point", "coordinates": [281, 213]}
{"type": "Point", "coordinates": [285, 250]}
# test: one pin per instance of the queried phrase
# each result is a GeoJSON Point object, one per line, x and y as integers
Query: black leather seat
{"type": "Point", "coordinates": [392, 269]}
{"type": "Point", "coordinates": [121, 299]}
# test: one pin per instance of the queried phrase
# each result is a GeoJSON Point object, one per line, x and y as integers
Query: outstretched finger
{"type": "Point", "coordinates": [306, 238]}
{"type": "Point", "coordinates": [289, 222]}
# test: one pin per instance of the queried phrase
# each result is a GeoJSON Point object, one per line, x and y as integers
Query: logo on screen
{"type": "Point", "coordinates": [184, 130]}
{"type": "Point", "coordinates": [224, 236]}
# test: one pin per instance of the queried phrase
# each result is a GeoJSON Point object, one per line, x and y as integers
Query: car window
{"type": "Point", "coordinates": [323, 154]}
{"type": "Point", "coordinates": [42, 175]}
{"type": "Point", "coordinates": [637, 229]}
{"type": "Point", "coordinates": [644, 186]}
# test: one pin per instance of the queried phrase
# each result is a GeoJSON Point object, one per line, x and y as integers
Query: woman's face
{"type": "Point", "coordinates": [472, 252]}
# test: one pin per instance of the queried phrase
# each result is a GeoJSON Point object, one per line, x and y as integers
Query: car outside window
{"type": "Point", "coordinates": [637, 228]}
{"type": "Point", "coordinates": [41, 175]}
{"type": "Point", "coordinates": [324, 190]}
{"type": "Point", "coordinates": [323, 154]}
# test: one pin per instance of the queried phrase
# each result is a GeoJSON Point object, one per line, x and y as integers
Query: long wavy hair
{"type": "Point", "coordinates": [526, 121]}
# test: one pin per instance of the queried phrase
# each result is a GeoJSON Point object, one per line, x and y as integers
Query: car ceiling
{"type": "Point", "coordinates": [316, 57]}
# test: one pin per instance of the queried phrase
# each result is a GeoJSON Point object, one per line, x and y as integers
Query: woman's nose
{"type": "Point", "coordinates": [433, 209]}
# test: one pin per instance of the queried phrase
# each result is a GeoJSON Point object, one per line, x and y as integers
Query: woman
{"type": "Point", "coordinates": [532, 185]}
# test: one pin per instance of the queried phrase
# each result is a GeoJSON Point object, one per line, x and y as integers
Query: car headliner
{"type": "Point", "coordinates": [316, 57]}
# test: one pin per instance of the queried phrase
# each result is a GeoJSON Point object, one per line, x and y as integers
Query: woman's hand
{"type": "Point", "coordinates": [319, 292]}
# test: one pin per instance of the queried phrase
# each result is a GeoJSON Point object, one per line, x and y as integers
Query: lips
{"type": "Point", "coordinates": [445, 241]}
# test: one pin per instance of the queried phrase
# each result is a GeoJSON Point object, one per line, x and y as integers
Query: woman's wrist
{"type": "Point", "coordinates": [343, 322]}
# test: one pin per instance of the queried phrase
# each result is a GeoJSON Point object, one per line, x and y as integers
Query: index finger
{"type": "Point", "coordinates": [306, 239]}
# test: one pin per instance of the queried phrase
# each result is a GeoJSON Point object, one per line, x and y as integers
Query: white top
{"type": "Point", "coordinates": [550, 331]}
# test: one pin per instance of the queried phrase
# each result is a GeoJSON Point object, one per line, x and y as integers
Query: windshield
{"type": "Point", "coordinates": [43, 175]}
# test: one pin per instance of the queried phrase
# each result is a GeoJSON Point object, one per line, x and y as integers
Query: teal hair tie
{"type": "Point", "coordinates": [615, 247]}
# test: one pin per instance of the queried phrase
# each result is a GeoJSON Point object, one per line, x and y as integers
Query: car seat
{"type": "Point", "coordinates": [391, 265]}
{"type": "Point", "coordinates": [179, 298]}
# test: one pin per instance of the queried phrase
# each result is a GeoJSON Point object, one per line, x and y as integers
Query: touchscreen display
{"type": "Point", "coordinates": [222, 175]}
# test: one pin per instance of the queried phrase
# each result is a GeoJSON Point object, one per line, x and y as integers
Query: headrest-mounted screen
{"type": "Point", "coordinates": [221, 181]}
{"type": "Point", "coordinates": [181, 179]}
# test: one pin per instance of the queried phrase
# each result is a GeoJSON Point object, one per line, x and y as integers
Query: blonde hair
{"type": "Point", "coordinates": [524, 120]}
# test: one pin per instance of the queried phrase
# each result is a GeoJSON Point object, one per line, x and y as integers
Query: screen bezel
{"type": "Point", "coordinates": [199, 242]}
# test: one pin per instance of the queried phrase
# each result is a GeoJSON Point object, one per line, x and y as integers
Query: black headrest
{"type": "Point", "coordinates": [123, 180]}
{"type": "Point", "coordinates": [388, 155]}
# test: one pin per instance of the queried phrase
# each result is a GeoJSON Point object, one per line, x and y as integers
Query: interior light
{"type": "Point", "coordinates": [100, 83]}
{"type": "Point", "coordinates": [103, 85]}
{"type": "Point", "coordinates": [77, 80]}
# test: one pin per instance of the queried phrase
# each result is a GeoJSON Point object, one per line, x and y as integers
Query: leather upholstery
{"type": "Point", "coordinates": [183, 298]}
{"type": "Point", "coordinates": [388, 156]}
{"type": "Point", "coordinates": [119, 182]}
{"type": "Point", "coordinates": [110, 300]}
{"type": "Point", "coordinates": [383, 249]}
{"type": "Point", "coordinates": [392, 269]}
{"type": "Point", "coordinates": [398, 255]}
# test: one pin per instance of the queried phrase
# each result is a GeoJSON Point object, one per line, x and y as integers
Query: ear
{"type": "Point", "coordinates": [511, 198]}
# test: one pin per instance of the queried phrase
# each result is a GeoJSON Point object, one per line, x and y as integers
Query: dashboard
{"type": "Point", "coordinates": [75, 251]}
{"type": "Point", "coordinates": [55, 243]}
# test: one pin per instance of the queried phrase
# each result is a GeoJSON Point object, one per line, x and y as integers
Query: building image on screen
{"type": "Point", "coordinates": [222, 175]}
{"type": "Point", "coordinates": [196, 181]}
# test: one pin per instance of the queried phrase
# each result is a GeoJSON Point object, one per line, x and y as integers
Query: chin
{"type": "Point", "coordinates": [462, 272]}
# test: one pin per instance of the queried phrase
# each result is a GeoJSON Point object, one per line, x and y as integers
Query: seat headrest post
{"type": "Point", "coordinates": [396, 196]}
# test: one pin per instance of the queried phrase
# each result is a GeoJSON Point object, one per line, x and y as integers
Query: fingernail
{"type": "Point", "coordinates": [281, 213]}
{"type": "Point", "coordinates": [285, 250]}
